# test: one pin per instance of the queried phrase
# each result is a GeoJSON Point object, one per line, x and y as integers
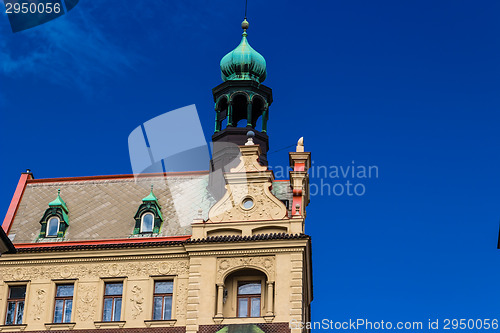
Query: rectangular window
{"type": "Point", "coordinates": [63, 303]}
{"type": "Point", "coordinates": [162, 300]}
{"type": "Point", "coordinates": [112, 301]}
{"type": "Point", "coordinates": [249, 294]}
{"type": "Point", "coordinates": [15, 305]}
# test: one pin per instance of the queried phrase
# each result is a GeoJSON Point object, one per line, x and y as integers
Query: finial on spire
{"type": "Point", "coordinates": [58, 191]}
{"type": "Point", "coordinates": [244, 24]}
{"type": "Point", "coordinates": [151, 187]}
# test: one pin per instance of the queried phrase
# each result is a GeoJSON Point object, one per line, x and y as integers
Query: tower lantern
{"type": "Point", "coordinates": [242, 101]}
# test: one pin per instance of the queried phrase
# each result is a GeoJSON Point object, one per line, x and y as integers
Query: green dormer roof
{"type": "Point", "coordinates": [243, 63]}
{"type": "Point", "coordinates": [59, 202]}
{"type": "Point", "coordinates": [151, 197]}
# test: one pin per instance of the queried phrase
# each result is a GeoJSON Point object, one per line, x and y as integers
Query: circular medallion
{"type": "Point", "coordinates": [164, 268]}
{"type": "Point", "coordinates": [65, 272]}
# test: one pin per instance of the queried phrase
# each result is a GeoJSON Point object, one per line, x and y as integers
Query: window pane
{"type": "Point", "coordinates": [251, 288]}
{"type": "Point", "coordinates": [114, 288]}
{"type": "Point", "coordinates": [167, 308]}
{"type": "Point", "coordinates": [65, 290]}
{"type": "Point", "coordinates": [52, 227]}
{"type": "Point", "coordinates": [118, 309]}
{"type": "Point", "coordinates": [58, 311]}
{"type": "Point", "coordinates": [164, 287]}
{"type": "Point", "coordinates": [242, 307]}
{"type": "Point", "coordinates": [157, 308]}
{"type": "Point", "coordinates": [17, 292]}
{"type": "Point", "coordinates": [255, 310]}
{"type": "Point", "coordinates": [19, 314]}
{"type": "Point", "coordinates": [147, 223]}
{"type": "Point", "coordinates": [67, 311]}
{"type": "Point", "coordinates": [11, 310]}
{"type": "Point", "coordinates": [106, 314]}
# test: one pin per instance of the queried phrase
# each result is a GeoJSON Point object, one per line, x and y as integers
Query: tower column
{"type": "Point", "coordinates": [264, 120]}
{"type": "Point", "coordinates": [230, 114]}
{"type": "Point", "coordinates": [249, 113]}
{"type": "Point", "coordinates": [217, 121]}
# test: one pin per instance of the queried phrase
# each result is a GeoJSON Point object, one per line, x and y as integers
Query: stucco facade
{"type": "Point", "coordinates": [264, 244]}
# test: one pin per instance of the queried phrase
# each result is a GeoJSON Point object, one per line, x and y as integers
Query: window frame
{"type": "Point", "coordinates": [48, 226]}
{"type": "Point", "coordinates": [64, 299]}
{"type": "Point", "coordinates": [141, 231]}
{"type": "Point", "coordinates": [249, 298]}
{"type": "Point", "coordinates": [16, 301]}
{"type": "Point", "coordinates": [163, 295]}
{"type": "Point", "coordinates": [112, 297]}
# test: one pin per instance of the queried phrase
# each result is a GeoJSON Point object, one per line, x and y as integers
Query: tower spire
{"type": "Point", "coordinates": [241, 105]}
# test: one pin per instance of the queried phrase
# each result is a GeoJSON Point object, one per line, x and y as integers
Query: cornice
{"type": "Point", "coordinates": [246, 252]}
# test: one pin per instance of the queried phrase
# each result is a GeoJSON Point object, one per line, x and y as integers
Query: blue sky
{"type": "Point", "coordinates": [410, 87]}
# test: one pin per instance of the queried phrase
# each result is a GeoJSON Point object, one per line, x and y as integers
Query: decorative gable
{"type": "Point", "coordinates": [55, 221]}
{"type": "Point", "coordinates": [248, 196]}
{"type": "Point", "coordinates": [148, 218]}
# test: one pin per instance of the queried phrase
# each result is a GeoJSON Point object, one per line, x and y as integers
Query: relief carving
{"type": "Point", "coordinates": [181, 299]}
{"type": "Point", "coordinates": [264, 263]}
{"type": "Point", "coordinates": [87, 302]}
{"type": "Point", "coordinates": [137, 301]}
{"type": "Point", "coordinates": [39, 305]}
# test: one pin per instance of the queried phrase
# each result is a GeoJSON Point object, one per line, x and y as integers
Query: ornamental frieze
{"type": "Point", "coordinates": [83, 271]}
{"type": "Point", "coordinates": [228, 265]}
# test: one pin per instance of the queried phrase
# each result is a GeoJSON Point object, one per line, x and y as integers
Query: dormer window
{"type": "Point", "coordinates": [55, 220]}
{"type": "Point", "coordinates": [52, 226]}
{"type": "Point", "coordinates": [147, 222]}
{"type": "Point", "coordinates": [148, 218]}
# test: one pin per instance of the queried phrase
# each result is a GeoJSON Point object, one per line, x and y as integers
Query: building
{"type": "Point", "coordinates": [171, 252]}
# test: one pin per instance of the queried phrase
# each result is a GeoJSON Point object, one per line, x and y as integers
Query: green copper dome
{"type": "Point", "coordinates": [243, 63]}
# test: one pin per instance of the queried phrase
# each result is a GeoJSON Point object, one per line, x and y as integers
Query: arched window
{"type": "Point", "coordinates": [147, 222]}
{"type": "Point", "coordinates": [243, 294]}
{"type": "Point", "coordinates": [52, 226]}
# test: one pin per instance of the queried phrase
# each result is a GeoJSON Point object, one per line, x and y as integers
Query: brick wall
{"type": "Point", "coordinates": [267, 328]}
{"type": "Point", "coordinates": [123, 330]}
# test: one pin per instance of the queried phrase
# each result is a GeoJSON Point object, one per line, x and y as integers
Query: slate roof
{"type": "Point", "coordinates": [103, 207]}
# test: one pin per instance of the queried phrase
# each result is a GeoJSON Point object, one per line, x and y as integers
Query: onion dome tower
{"type": "Point", "coordinates": [241, 104]}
